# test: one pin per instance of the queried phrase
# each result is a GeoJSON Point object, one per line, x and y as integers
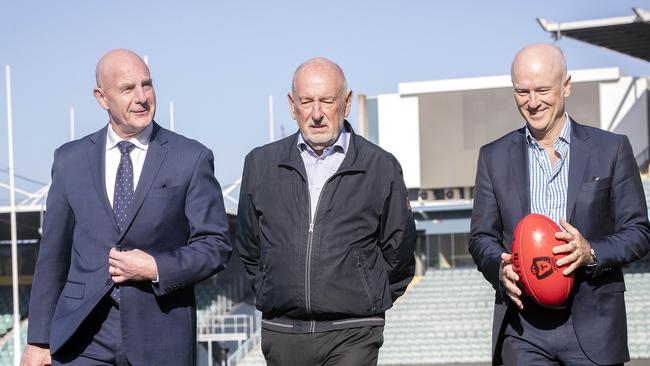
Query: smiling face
{"type": "Point", "coordinates": [319, 102]}
{"type": "Point", "coordinates": [125, 90]}
{"type": "Point", "coordinates": [540, 86]}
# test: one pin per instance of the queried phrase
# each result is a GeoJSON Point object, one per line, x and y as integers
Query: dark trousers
{"type": "Point", "coordinates": [97, 342]}
{"type": "Point", "coordinates": [347, 347]}
{"type": "Point", "coordinates": [539, 336]}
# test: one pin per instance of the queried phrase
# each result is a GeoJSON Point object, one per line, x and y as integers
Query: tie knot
{"type": "Point", "coordinates": [125, 147]}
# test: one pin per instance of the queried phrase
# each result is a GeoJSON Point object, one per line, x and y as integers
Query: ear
{"type": "Point", "coordinates": [101, 97]}
{"type": "Point", "coordinates": [567, 86]}
{"type": "Point", "coordinates": [348, 103]}
{"type": "Point", "coordinates": [292, 106]}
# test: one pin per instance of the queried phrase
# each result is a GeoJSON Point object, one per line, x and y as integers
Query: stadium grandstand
{"type": "Point", "coordinates": [445, 316]}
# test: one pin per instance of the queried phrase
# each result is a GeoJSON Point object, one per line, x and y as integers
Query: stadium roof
{"type": "Point", "coordinates": [629, 35]}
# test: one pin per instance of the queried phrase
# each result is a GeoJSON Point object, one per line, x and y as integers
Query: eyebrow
{"type": "Point", "coordinates": [328, 98]}
{"type": "Point", "coordinates": [128, 85]}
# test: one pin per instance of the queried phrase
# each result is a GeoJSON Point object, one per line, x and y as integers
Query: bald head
{"type": "Point", "coordinates": [319, 102]}
{"type": "Point", "coordinates": [541, 84]}
{"type": "Point", "coordinates": [540, 57]}
{"type": "Point", "coordinates": [323, 66]}
{"type": "Point", "coordinates": [112, 60]}
{"type": "Point", "coordinates": [125, 90]}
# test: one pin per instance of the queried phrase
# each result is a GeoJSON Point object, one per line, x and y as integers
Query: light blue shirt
{"type": "Point", "coordinates": [549, 184]}
{"type": "Point", "coordinates": [321, 168]}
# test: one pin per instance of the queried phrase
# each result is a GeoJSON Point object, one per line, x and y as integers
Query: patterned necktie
{"type": "Point", "coordinates": [123, 194]}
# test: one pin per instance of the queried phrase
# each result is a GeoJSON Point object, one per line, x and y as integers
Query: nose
{"type": "Point", "coordinates": [533, 100]}
{"type": "Point", "coordinates": [317, 112]}
{"type": "Point", "coordinates": [140, 95]}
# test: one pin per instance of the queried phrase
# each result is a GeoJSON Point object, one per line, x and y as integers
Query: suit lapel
{"type": "Point", "coordinates": [579, 155]}
{"type": "Point", "coordinates": [156, 153]}
{"type": "Point", "coordinates": [97, 162]}
{"type": "Point", "coordinates": [518, 159]}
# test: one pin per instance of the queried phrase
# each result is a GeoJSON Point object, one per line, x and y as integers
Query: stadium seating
{"type": "Point", "coordinates": [6, 307]}
{"type": "Point", "coordinates": [6, 320]}
{"type": "Point", "coordinates": [7, 348]}
{"type": "Point", "coordinates": [207, 298]}
{"type": "Point", "coordinates": [217, 298]}
{"type": "Point", "coordinates": [446, 317]}
{"type": "Point", "coordinates": [637, 303]}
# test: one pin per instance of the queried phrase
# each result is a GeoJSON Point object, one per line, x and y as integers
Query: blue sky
{"type": "Point", "coordinates": [219, 61]}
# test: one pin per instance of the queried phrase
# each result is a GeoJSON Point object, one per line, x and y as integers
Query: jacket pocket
{"type": "Point", "coordinates": [595, 185]}
{"type": "Point", "coordinates": [260, 288]}
{"type": "Point", "coordinates": [364, 280]}
{"type": "Point", "coordinates": [74, 290]}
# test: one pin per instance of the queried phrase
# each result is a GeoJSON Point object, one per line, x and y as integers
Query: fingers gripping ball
{"type": "Point", "coordinates": [535, 264]}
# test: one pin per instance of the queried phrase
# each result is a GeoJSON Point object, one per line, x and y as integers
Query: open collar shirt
{"type": "Point", "coordinates": [548, 183]}
{"type": "Point", "coordinates": [321, 168]}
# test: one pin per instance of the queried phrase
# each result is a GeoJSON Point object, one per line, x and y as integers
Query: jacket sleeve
{"type": "Point", "coordinates": [53, 258]}
{"type": "Point", "coordinates": [486, 232]}
{"type": "Point", "coordinates": [208, 248]}
{"type": "Point", "coordinates": [631, 238]}
{"type": "Point", "coordinates": [247, 240]}
{"type": "Point", "coordinates": [397, 234]}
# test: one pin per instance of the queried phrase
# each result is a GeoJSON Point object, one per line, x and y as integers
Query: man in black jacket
{"type": "Point", "coordinates": [325, 231]}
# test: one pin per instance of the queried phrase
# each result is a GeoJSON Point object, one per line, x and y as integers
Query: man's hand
{"type": "Point", "coordinates": [132, 265]}
{"type": "Point", "coordinates": [577, 247]}
{"type": "Point", "coordinates": [509, 280]}
{"type": "Point", "coordinates": [36, 355]}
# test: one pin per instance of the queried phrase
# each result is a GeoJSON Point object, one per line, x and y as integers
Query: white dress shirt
{"type": "Point", "coordinates": [113, 155]}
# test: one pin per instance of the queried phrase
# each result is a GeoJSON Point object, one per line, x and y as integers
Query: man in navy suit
{"type": "Point", "coordinates": [134, 218]}
{"type": "Point", "coordinates": [587, 180]}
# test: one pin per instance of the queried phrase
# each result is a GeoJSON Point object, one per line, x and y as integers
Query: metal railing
{"type": "Point", "coordinates": [221, 328]}
{"type": "Point", "coordinates": [238, 328]}
{"type": "Point", "coordinates": [245, 348]}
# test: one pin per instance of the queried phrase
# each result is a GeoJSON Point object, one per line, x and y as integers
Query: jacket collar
{"type": "Point", "coordinates": [518, 162]}
{"type": "Point", "coordinates": [353, 160]}
{"type": "Point", "coordinates": [580, 148]}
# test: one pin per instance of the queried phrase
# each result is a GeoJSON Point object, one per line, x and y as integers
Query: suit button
{"type": "Point", "coordinates": [109, 282]}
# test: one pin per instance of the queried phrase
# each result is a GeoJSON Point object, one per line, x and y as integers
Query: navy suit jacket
{"type": "Point", "coordinates": [177, 216]}
{"type": "Point", "coordinates": [605, 202]}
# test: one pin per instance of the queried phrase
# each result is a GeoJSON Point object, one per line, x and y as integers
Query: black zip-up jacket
{"type": "Point", "coordinates": [344, 269]}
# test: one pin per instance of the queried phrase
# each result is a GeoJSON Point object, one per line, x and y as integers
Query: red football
{"type": "Point", "coordinates": [534, 262]}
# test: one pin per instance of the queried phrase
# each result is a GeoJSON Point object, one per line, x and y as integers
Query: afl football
{"type": "Point", "coordinates": [535, 264]}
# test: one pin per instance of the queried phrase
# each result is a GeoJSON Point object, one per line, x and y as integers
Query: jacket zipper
{"type": "Point", "coordinates": [310, 237]}
{"type": "Point", "coordinates": [258, 299]}
{"type": "Point", "coordinates": [364, 280]}
{"type": "Point", "coordinates": [312, 323]}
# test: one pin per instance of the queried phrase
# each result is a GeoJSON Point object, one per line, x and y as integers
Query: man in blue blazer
{"type": "Point", "coordinates": [134, 218]}
{"type": "Point", "coordinates": [587, 180]}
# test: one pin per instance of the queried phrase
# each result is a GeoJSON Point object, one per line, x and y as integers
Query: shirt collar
{"type": "Point", "coordinates": [341, 144]}
{"type": "Point", "coordinates": [141, 140]}
{"type": "Point", "coordinates": [565, 134]}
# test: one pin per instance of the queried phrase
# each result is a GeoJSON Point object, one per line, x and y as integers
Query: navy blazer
{"type": "Point", "coordinates": [605, 202]}
{"type": "Point", "coordinates": [177, 216]}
